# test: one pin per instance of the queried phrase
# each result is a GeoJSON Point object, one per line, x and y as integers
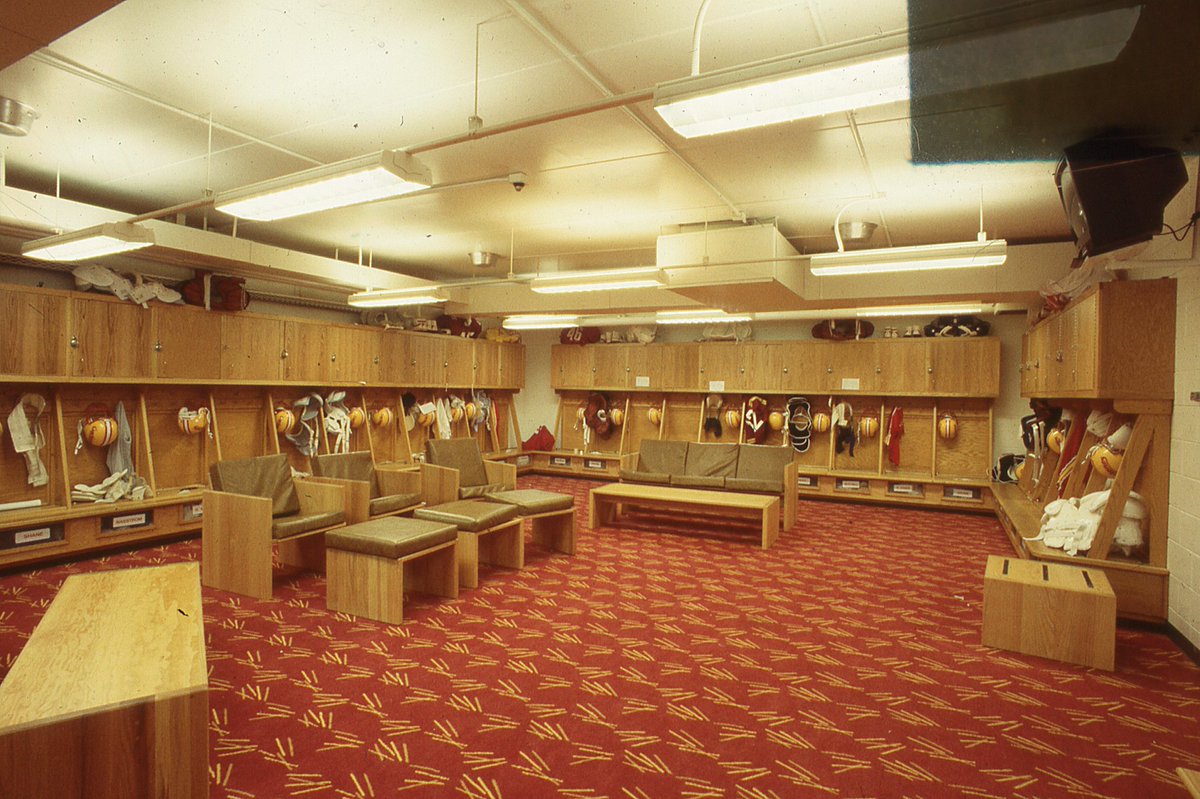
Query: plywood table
{"type": "Point", "coordinates": [604, 504]}
{"type": "Point", "coordinates": [109, 697]}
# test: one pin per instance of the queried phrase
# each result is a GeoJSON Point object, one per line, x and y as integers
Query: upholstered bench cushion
{"type": "Point", "coordinates": [479, 491]}
{"type": "Point", "coordinates": [393, 502]}
{"type": "Point", "coordinates": [750, 485]}
{"type": "Point", "coordinates": [697, 481]}
{"type": "Point", "coordinates": [531, 502]}
{"type": "Point", "coordinates": [288, 526]}
{"type": "Point", "coordinates": [661, 457]}
{"type": "Point", "coordinates": [391, 538]}
{"type": "Point", "coordinates": [762, 462]}
{"type": "Point", "coordinates": [657, 478]}
{"type": "Point", "coordinates": [471, 515]}
{"type": "Point", "coordinates": [710, 460]}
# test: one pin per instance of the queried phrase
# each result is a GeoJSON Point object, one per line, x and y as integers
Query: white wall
{"type": "Point", "coordinates": [537, 403]}
{"type": "Point", "coordinates": [1183, 544]}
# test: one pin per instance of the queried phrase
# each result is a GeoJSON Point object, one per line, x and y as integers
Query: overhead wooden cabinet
{"type": "Point", "coordinates": [35, 332]}
{"type": "Point", "coordinates": [803, 366]}
{"type": "Point", "coordinates": [571, 366]}
{"type": "Point", "coordinates": [109, 338]}
{"type": "Point", "coordinates": [186, 343]}
{"type": "Point", "coordinates": [679, 365]}
{"type": "Point", "coordinates": [511, 358]}
{"type": "Point", "coordinates": [1116, 341]}
{"type": "Point", "coordinates": [252, 348]}
{"type": "Point", "coordinates": [964, 367]}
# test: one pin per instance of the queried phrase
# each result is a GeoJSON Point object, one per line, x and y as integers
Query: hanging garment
{"type": "Point", "coordinates": [844, 434]}
{"type": "Point", "coordinates": [483, 410]}
{"type": "Point", "coordinates": [755, 421]}
{"type": "Point", "coordinates": [442, 417]}
{"type": "Point", "coordinates": [120, 452]}
{"type": "Point", "coordinates": [28, 440]}
{"type": "Point", "coordinates": [895, 432]}
{"type": "Point", "coordinates": [712, 415]}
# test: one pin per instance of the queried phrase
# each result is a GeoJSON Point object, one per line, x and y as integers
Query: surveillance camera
{"type": "Point", "coordinates": [518, 185]}
{"type": "Point", "coordinates": [517, 179]}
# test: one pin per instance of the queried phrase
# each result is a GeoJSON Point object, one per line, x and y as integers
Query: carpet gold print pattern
{"type": "Point", "coordinates": [672, 657]}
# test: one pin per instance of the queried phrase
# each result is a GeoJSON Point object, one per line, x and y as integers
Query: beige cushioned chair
{"type": "Point", "coordinates": [455, 469]}
{"type": "Point", "coordinates": [370, 492]}
{"type": "Point", "coordinates": [254, 503]}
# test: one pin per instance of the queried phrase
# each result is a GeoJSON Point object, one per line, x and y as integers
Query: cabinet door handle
{"type": "Point", "coordinates": [828, 370]}
{"type": "Point", "coordinates": [283, 355]}
{"type": "Point", "coordinates": [158, 346]}
{"type": "Point", "coordinates": [1058, 356]}
{"type": "Point", "coordinates": [929, 369]}
{"type": "Point", "coordinates": [878, 369]}
{"type": "Point", "coordinates": [74, 343]}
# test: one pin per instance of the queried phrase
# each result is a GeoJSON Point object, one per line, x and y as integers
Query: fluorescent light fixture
{"type": "Point", "coordinates": [919, 310]}
{"type": "Point", "coordinates": [92, 242]}
{"type": "Point", "coordinates": [640, 277]}
{"type": "Point", "coordinates": [961, 255]}
{"type": "Point", "coordinates": [540, 322]}
{"type": "Point", "coordinates": [378, 176]}
{"type": "Point", "coordinates": [393, 298]}
{"type": "Point", "coordinates": [704, 316]}
{"type": "Point", "coordinates": [780, 90]}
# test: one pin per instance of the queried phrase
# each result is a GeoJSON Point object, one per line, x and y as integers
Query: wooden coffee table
{"type": "Point", "coordinates": [604, 504]}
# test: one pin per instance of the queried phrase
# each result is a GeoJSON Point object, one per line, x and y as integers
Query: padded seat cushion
{"type": "Point", "coordinates": [393, 538]}
{"type": "Point", "coordinates": [656, 478]}
{"type": "Point", "coordinates": [347, 466]}
{"type": "Point", "coordinates": [393, 503]}
{"type": "Point", "coordinates": [710, 460]}
{"type": "Point", "coordinates": [479, 491]}
{"type": "Point", "coordinates": [697, 481]}
{"type": "Point", "coordinates": [662, 457]}
{"type": "Point", "coordinates": [288, 526]}
{"type": "Point", "coordinates": [531, 501]}
{"type": "Point", "coordinates": [471, 515]}
{"type": "Point", "coordinates": [267, 476]}
{"type": "Point", "coordinates": [458, 453]}
{"type": "Point", "coordinates": [753, 486]}
{"type": "Point", "coordinates": [759, 462]}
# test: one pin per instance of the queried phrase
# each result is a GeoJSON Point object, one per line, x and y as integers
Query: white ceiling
{"type": "Point", "coordinates": [125, 98]}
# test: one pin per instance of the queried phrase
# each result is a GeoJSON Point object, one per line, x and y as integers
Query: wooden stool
{"type": "Point", "coordinates": [369, 565]}
{"type": "Point", "coordinates": [552, 516]}
{"type": "Point", "coordinates": [1051, 610]}
{"type": "Point", "coordinates": [488, 532]}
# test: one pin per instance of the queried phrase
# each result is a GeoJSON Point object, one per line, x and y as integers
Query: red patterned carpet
{"type": "Point", "coordinates": [843, 662]}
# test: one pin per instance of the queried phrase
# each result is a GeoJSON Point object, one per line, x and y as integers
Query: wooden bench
{"type": "Point", "coordinates": [604, 504]}
{"type": "Point", "coordinates": [109, 697]}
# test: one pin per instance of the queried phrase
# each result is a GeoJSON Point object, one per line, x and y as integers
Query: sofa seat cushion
{"type": "Point", "coordinates": [751, 485]}
{"type": "Point", "coordinates": [288, 526]}
{"type": "Point", "coordinates": [697, 481]}
{"type": "Point", "coordinates": [531, 502]}
{"type": "Point", "coordinates": [470, 515]}
{"type": "Point", "coordinates": [662, 457]}
{"type": "Point", "coordinates": [656, 478]}
{"type": "Point", "coordinates": [391, 538]}
{"type": "Point", "coordinates": [393, 502]}
{"type": "Point", "coordinates": [267, 476]}
{"type": "Point", "coordinates": [458, 453]}
{"type": "Point", "coordinates": [479, 491]}
{"type": "Point", "coordinates": [760, 462]}
{"type": "Point", "coordinates": [347, 466]}
{"type": "Point", "coordinates": [710, 460]}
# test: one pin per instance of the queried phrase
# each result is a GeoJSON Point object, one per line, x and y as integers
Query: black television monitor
{"type": "Point", "coordinates": [1114, 191]}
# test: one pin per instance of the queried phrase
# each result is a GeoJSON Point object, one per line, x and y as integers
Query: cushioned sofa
{"type": "Point", "coordinates": [744, 468]}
